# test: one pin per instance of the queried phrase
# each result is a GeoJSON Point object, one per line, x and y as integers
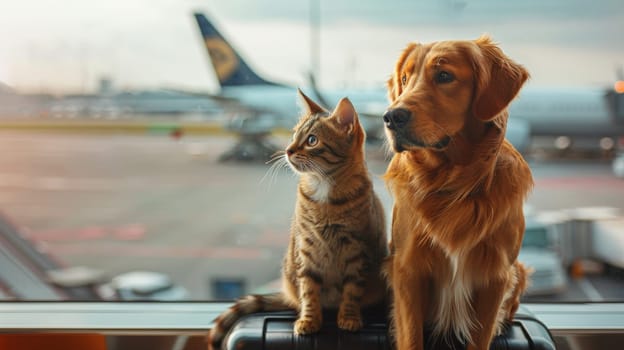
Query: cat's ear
{"type": "Point", "coordinates": [345, 115]}
{"type": "Point", "coordinates": [309, 106]}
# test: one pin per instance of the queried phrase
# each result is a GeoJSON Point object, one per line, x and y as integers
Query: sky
{"type": "Point", "coordinates": [69, 45]}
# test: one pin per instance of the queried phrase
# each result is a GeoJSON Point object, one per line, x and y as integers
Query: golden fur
{"type": "Point", "coordinates": [458, 188]}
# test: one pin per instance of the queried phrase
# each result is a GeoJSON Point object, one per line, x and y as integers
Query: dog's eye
{"type": "Point", "coordinates": [443, 77]}
{"type": "Point", "coordinates": [403, 79]}
{"type": "Point", "coordinates": [312, 140]}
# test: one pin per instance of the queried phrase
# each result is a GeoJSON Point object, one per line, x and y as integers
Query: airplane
{"type": "Point", "coordinates": [265, 105]}
{"type": "Point", "coordinates": [573, 117]}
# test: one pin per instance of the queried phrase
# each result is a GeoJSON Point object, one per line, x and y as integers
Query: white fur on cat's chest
{"type": "Point", "coordinates": [321, 188]}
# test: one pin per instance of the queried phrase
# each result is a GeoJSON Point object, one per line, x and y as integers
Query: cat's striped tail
{"type": "Point", "coordinates": [245, 306]}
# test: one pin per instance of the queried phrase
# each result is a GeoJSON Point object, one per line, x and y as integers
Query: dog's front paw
{"type": "Point", "coordinates": [307, 326]}
{"type": "Point", "coordinates": [350, 323]}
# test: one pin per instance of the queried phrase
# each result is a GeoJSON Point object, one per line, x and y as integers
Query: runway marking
{"type": "Point", "coordinates": [273, 238]}
{"type": "Point", "coordinates": [130, 232]}
{"type": "Point", "coordinates": [88, 233]}
{"type": "Point", "coordinates": [588, 288]}
{"type": "Point", "coordinates": [185, 252]}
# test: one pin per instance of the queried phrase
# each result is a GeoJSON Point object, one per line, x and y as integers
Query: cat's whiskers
{"type": "Point", "coordinates": [279, 162]}
{"type": "Point", "coordinates": [276, 157]}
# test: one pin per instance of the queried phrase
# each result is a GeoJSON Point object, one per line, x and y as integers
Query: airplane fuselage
{"type": "Point", "coordinates": [580, 112]}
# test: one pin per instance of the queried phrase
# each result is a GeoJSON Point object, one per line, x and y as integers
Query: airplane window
{"type": "Point", "coordinates": [135, 136]}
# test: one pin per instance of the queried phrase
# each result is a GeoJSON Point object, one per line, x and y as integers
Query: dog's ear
{"type": "Point", "coordinates": [498, 80]}
{"type": "Point", "coordinates": [394, 84]}
{"type": "Point", "coordinates": [309, 106]}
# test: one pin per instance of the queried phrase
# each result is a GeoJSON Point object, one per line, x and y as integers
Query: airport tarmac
{"type": "Point", "coordinates": [148, 202]}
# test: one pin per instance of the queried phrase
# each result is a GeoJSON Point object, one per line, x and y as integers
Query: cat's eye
{"type": "Point", "coordinates": [312, 140]}
{"type": "Point", "coordinates": [404, 79]}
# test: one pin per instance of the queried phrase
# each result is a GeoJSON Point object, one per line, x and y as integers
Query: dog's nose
{"type": "Point", "coordinates": [396, 118]}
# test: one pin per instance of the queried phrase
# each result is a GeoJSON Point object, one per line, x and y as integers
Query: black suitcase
{"type": "Point", "coordinates": [274, 331]}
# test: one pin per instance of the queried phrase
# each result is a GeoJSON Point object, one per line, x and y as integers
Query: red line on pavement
{"type": "Point", "coordinates": [116, 250]}
{"type": "Point", "coordinates": [130, 232]}
{"type": "Point", "coordinates": [93, 232]}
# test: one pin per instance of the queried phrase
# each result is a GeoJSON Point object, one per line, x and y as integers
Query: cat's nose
{"type": "Point", "coordinates": [396, 118]}
{"type": "Point", "coordinates": [290, 151]}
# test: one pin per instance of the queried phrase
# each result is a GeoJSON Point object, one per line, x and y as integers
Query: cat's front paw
{"type": "Point", "coordinates": [307, 326]}
{"type": "Point", "coordinates": [351, 323]}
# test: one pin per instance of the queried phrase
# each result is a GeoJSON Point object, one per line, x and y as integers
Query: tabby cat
{"type": "Point", "coordinates": [338, 238]}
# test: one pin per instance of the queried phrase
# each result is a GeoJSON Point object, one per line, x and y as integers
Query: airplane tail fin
{"type": "Point", "coordinates": [230, 68]}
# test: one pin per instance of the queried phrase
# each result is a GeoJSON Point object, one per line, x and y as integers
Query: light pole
{"type": "Point", "coordinates": [315, 39]}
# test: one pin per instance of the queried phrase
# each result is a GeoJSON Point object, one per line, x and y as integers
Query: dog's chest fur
{"type": "Point", "coordinates": [451, 312]}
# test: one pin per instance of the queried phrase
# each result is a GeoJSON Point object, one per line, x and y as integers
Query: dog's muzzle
{"type": "Point", "coordinates": [397, 118]}
{"type": "Point", "coordinates": [400, 137]}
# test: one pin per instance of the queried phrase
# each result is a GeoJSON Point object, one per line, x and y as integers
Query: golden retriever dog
{"type": "Point", "coordinates": [458, 188]}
